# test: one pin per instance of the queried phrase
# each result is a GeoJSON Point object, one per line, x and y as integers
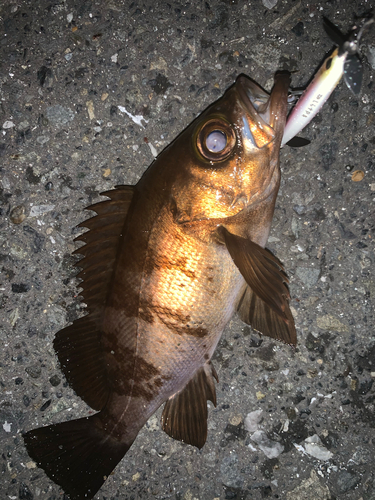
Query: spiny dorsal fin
{"type": "Point", "coordinates": [78, 346]}
{"type": "Point", "coordinates": [185, 414]}
{"type": "Point", "coordinates": [102, 243]}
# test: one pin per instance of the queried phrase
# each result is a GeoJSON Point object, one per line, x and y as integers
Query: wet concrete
{"type": "Point", "coordinates": [89, 94]}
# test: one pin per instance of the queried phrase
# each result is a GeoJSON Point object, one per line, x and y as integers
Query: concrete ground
{"type": "Point", "coordinates": [289, 424]}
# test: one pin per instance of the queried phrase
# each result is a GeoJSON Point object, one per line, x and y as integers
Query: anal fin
{"type": "Point", "coordinates": [185, 414]}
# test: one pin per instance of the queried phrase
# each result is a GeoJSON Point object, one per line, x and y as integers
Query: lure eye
{"type": "Point", "coordinates": [216, 140]}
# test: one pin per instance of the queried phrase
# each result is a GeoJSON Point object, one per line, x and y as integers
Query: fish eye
{"type": "Point", "coordinates": [215, 139]}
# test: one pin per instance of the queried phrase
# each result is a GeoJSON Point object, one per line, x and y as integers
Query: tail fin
{"type": "Point", "coordinates": [77, 455]}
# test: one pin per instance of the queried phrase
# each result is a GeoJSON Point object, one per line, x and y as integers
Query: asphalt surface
{"type": "Point", "coordinates": [90, 92]}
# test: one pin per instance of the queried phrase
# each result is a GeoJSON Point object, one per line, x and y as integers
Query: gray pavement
{"type": "Point", "coordinates": [90, 91]}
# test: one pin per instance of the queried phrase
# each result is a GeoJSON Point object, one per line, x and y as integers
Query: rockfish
{"type": "Point", "coordinates": [166, 264]}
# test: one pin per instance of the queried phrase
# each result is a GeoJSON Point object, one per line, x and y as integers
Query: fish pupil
{"type": "Point", "coordinates": [216, 141]}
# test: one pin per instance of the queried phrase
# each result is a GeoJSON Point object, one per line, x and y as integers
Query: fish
{"type": "Point", "coordinates": [166, 263]}
{"type": "Point", "coordinates": [342, 62]}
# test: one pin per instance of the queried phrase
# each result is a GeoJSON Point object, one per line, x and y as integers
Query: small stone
{"type": "Point", "coordinates": [271, 449]}
{"type": "Point", "coordinates": [329, 322]}
{"type": "Point", "coordinates": [357, 175]}
{"type": "Point", "coordinates": [260, 395]}
{"type": "Point", "coordinates": [269, 4]}
{"type": "Point", "coordinates": [308, 275]}
{"type": "Point", "coordinates": [235, 420]}
{"type": "Point", "coordinates": [8, 124]}
{"type": "Point", "coordinates": [299, 209]}
{"type": "Point", "coordinates": [38, 210]}
{"type": "Point", "coordinates": [315, 448]}
{"type": "Point", "coordinates": [347, 481]}
{"type": "Point", "coordinates": [20, 287]}
{"type": "Point", "coordinates": [24, 492]}
{"type": "Point", "coordinates": [54, 380]}
{"type": "Point", "coordinates": [252, 420]}
{"type": "Point", "coordinates": [59, 115]}
{"type": "Point", "coordinates": [229, 471]}
{"type": "Point", "coordinates": [18, 214]}
{"type": "Point", "coordinates": [310, 489]}
{"type": "Point", "coordinates": [34, 371]}
{"type": "Point", "coordinates": [42, 139]}
{"type": "Point", "coordinates": [90, 110]}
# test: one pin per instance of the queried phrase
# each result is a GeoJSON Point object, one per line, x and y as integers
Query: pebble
{"type": "Point", "coordinates": [38, 210]}
{"type": "Point", "coordinates": [42, 139]}
{"type": "Point", "coordinates": [269, 4]}
{"type": "Point", "coordinates": [308, 275]}
{"type": "Point", "coordinates": [271, 449]}
{"type": "Point", "coordinates": [8, 124]}
{"type": "Point", "coordinates": [371, 55]}
{"type": "Point", "coordinates": [347, 481]}
{"type": "Point", "coordinates": [329, 322]}
{"type": "Point", "coordinates": [24, 492]}
{"type": "Point", "coordinates": [315, 448]}
{"type": "Point", "coordinates": [252, 420]}
{"type": "Point", "coordinates": [59, 115]}
{"type": "Point", "coordinates": [357, 175]}
{"type": "Point", "coordinates": [229, 471]}
{"type": "Point", "coordinates": [18, 214]}
{"type": "Point", "coordinates": [310, 489]}
{"type": "Point", "coordinates": [34, 371]}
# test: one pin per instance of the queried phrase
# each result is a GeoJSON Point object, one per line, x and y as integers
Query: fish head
{"type": "Point", "coordinates": [228, 159]}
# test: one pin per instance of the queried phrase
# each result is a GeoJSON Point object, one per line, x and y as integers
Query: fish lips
{"type": "Point", "coordinates": [255, 128]}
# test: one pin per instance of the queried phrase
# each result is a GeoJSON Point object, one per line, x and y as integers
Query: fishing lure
{"type": "Point", "coordinates": [343, 61]}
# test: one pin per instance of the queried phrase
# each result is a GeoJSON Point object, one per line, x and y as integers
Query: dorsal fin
{"type": "Point", "coordinates": [78, 346]}
{"type": "Point", "coordinates": [102, 243]}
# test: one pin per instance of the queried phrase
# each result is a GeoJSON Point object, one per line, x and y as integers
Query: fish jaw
{"type": "Point", "coordinates": [207, 185]}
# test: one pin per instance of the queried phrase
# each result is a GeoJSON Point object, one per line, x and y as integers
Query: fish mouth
{"type": "Point", "coordinates": [264, 114]}
{"type": "Point", "coordinates": [255, 126]}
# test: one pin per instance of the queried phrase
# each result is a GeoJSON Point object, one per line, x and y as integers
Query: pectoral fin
{"type": "Point", "coordinates": [268, 295]}
{"type": "Point", "coordinates": [185, 414]}
{"type": "Point", "coordinates": [255, 312]}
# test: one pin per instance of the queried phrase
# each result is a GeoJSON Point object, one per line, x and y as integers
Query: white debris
{"type": "Point", "coordinates": [315, 448]}
{"type": "Point", "coordinates": [153, 150]}
{"type": "Point", "coordinates": [252, 420]}
{"type": "Point", "coordinates": [7, 426]}
{"type": "Point", "coordinates": [37, 210]}
{"type": "Point", "coordinates": [271, 449]}
{"type": "Point", "coordinates": [136, 118]}
{"type": "Point", "coordinates": [8, 124]}
{"type": "Point", "coordinates": [114, 58]}
{"type": "Point", "coordinates": [300, 448]}
{"type": "Point", "coordinates": [286, 425]}
{"type": "Point", "coordinates": [69, 17]}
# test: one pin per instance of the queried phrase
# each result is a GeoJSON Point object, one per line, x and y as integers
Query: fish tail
{"type": "Point", "coordinates": [78, 455]}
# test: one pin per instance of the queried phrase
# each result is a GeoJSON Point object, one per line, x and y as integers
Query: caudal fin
{"type": "Point", "coordinates": [77, 455]}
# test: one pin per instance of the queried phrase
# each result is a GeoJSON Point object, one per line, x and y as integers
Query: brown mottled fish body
{"type": "Point", "coordinates": [166, 264]}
